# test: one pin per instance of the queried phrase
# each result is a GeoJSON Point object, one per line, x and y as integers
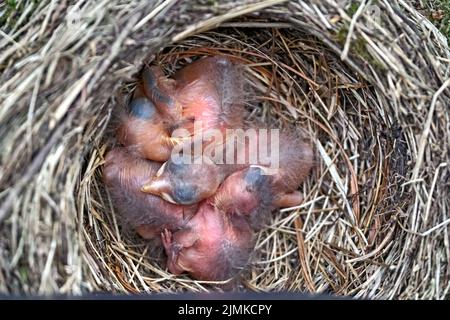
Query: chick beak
{"type": "Point", "coordinates": [153, 187]}
{"type": "Point", "coordinates": [158, 187]}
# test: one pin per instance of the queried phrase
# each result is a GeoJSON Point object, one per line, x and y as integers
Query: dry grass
{"type": "Point", "coordinates": [374, 93]}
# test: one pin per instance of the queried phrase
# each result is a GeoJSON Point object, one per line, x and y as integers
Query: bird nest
{"type": "Point", "coordinates": [369, 81]}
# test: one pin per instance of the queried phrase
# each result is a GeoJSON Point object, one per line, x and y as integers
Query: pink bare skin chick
{"type": "Point", "coordinates": [210, 90]}
{"type": "Point", "coordinates": [213, 246]}
{"type": "Point", "coordinates": [246, 193]}
{"type": "Point", "coordinates": [251, 193]}
{"type": "Point", "coordinates": [145, 127]}
{"type": "Point", "coordinates": [296, 159]}
{"type": "Point", "coordinates": [187, 184]}
{"type": "Point", "coordinates": [123, 174]}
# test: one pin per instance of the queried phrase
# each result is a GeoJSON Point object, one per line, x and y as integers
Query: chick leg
{"type": "Point", "coordinates": [172, 251]}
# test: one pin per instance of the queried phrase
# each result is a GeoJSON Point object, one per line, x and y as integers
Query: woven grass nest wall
{"type": "Point", "coordinates": [373, 91]}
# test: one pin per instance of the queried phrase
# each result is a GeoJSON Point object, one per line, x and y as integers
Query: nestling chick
{"type": "Point", "coordinates": [247, 193]}
{"type": "Point", "coordinates": [123, 175]}
{"type": "Point", "coordinates": [187, 183]}
{"type": "Point", "coordinates": [213, 246]}
{"type": "Point", "coordinates": [210, 90]}
{"type": "Point", "coordinates": [144, 130]}
{"type": "Point", "coordinates": [253, 194]}
{"type": "Point", "coordinates": [297, 159]}
{"type": "Point", "coordinates": [202, 180]}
